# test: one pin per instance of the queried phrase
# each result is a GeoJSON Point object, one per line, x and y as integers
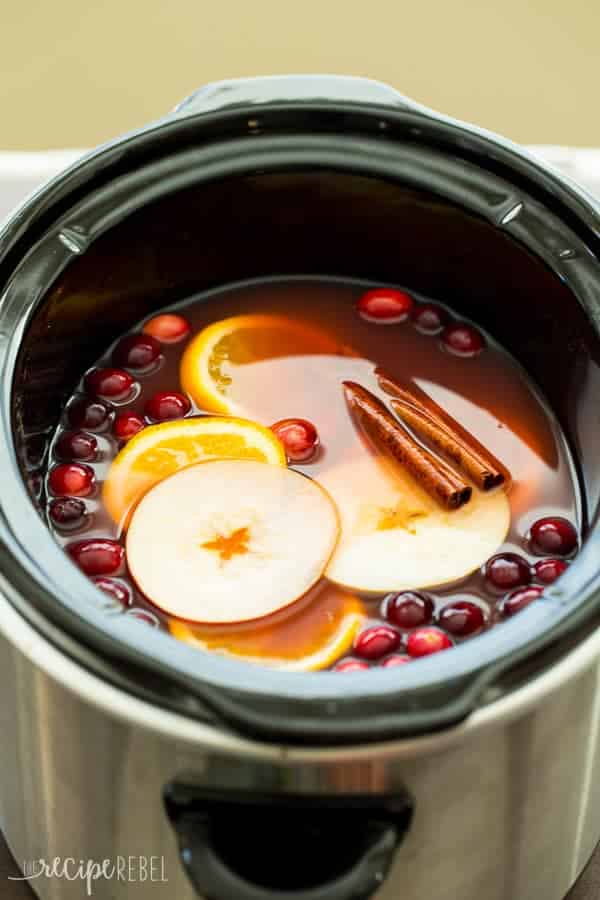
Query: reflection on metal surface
{"type": "Point", "coordinates": [511, 214]}
{"type": "Point", "coordinates": [74, 240]}
{"type": "Point", "coordinates": [100, 750]}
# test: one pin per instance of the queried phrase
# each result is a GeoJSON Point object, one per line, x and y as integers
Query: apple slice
{"type": "Point", "coordinates": [230, 540]}
{"type": "Point", "coordinates": [395, 537]}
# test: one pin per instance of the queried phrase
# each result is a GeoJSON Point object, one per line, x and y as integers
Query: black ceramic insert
{"type": "Point", "coordinates": [322, 189]}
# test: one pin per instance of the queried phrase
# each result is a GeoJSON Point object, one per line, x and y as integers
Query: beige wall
{"type": "Point", "coordinates": [75, 72]}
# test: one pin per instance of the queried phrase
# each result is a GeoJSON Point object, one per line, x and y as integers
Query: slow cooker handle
{"type": "Point", "coordinates": [293, 89]}
{"type": "Point", "coordinates": [357, 835]}
{"type": "Point", "coordinates": [213, 879]}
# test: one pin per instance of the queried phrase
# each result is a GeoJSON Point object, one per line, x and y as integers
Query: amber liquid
{"type": "Point", "coordinates": [490, 395]}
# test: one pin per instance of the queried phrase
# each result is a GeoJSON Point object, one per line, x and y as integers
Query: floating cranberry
{"type": "Point", "coordinates": [77, 445]}
{"type": "Point", "coordinates": [461, 618]}
{"type": "Point", "coordinates": [167, 405]}
{"type": "Point", "coordinates": [67, 513]}
{"type": "Point", "coordinates": [424, 641]}
{"type": "Point", "coordinates": [518, 600]}
{"type": "Point", "coordinates": [143, 615]}
{"type": "Point", "coordinates": [139, 352]}
{"type": "Point", "coordinates": [463, 340]}
{"type": "Point", "coordinates": [548, 570]}
{"type": "Point", "coordinates": [350, 665]}
{"type": "Point", "coordinates": [109, 384]}
{"type": "Point", "coordinates": [409, 609]}
{"type": "Point", "coordinates": [429, 318]}
{"type": "Point", "coordinates": [506, 571]}
{"type": "Point", "coordinates": [375, 642]}
{"type": "Point", "coordinates": [116, 589]}
{"type": "Point", "coordinates": [89, 414]}
{"type": "Point", "coordinates": [98, 556]}
{"type": "Point", "coordinates": [167, 328]}
{"type": "Point", "coordinates": [392, 661]}
{"type": "Point", "coordinates": [299, 437]}
{"type": "Point", "coordinates": [385, 306]}
{"type": "Point", "coordinates": [74, 479]}
{"type": "Point", "coordinates": [127, 424]}
{"type": "Point", "coordinates": [553, 536]}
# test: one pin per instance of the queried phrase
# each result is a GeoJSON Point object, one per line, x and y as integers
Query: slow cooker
{"type": "Point", "coordinates": [476, 775]}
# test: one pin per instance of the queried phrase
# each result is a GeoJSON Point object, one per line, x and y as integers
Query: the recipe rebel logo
{"type": "Point", "coordinates": [129, 869]}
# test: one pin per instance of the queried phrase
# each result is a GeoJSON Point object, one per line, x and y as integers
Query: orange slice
{"type": "Point", "coordinates": [217, 355]}
{"type": "Point", "coordinates": [311, 637]}
{"type": "Point", "coordinates": [161, 450]}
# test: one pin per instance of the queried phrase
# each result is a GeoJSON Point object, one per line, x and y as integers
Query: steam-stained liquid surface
{"type": "Point", "coordinates": [488, 393]}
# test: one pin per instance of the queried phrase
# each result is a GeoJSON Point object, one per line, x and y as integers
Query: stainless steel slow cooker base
{"type": "Point", "coordinates": [118, 741]}
{"type": "Point", "coordinates": [507, 804]}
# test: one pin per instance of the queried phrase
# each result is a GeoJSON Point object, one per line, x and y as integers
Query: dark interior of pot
{"type": "Point", "coordinates": [318, 223]}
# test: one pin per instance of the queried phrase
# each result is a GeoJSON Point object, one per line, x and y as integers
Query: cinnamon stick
{"type": "Point", "coordinates": [428, 420]}
{"type": "Point", "coordinates": [390, 437]}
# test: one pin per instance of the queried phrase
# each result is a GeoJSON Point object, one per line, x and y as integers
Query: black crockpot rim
{"type": "Point", "coordinates": [324, 718]}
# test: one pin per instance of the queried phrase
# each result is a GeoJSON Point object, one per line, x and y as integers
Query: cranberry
{"type": "Point", "coordinates": [463, 340]}
{"type": "Point", "coordinates": [506, 571]}
{"type": "Point", "coordinates": [408, 609]}
{"type": "Point", "coordinates": [518, 600]}
{"type": "Point", "coordinates": [142, 615]}
{"type": "Point", "coordinates": [299, 437]}
{"type": "Point", "coordinates": [67, 513]}
{"type": "Point", "coordinates": [89, 414]}
{"type": "Point", "coordinates": [461, 618]}
{"type": "Point", "coordinates": [429, 318]}
{"type": "Point", "coordinates": [110, 384]}
{"type": "Point", "coordinates": [424, 641]}
{"type": "Point", "coordinates": [167, 328]}
{"type": "Point", "coordinates": [385, 305]}
{"type": "Point", "coordinates": [548, 570]}
{"type": "Point", "coordinates": [116, 589]}
{"type": "Point", "coordinates": [394, 661]}
{"type": "Point", "coordinates": [127, 424]}
{"type": "Point", "coordinates": [375, 642]}
{"type": "Point", "coordinates": [553, 535]}
{"type": "Point", "coordinates": [167, 405]}
{"type": "Point", "coordinates": [97, 556]}
{"type": "Point", "coordinates": [77, 445]}
{"type": "Point", "coordinates": [136, 351]}
{"type": "Point", "coordinates": [350, 665]}
{"type": "Point", "coordinates": [75, 479]}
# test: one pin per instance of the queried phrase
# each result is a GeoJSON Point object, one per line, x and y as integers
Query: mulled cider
{"type": "Point", "coordinates": [312, 474]}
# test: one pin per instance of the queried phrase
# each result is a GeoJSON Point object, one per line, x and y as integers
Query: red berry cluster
{"type": "Point", "coordinates": [415, 627]}
{"type": "Point", "coordinates": [389, 306]}
{"type": "Point", "coordinates": [109, 410]}
{"type": "Point", "coordinates": [510, 574]}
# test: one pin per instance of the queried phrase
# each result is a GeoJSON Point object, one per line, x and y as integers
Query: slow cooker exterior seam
{"type": "Point", "coordinates": [93, 689]}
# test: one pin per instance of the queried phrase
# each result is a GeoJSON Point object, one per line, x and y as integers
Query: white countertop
{"type": "Point", "coordinates": [22, 173]}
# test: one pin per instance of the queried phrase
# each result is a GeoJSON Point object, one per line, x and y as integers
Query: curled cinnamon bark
{"type": "Point", "coordinates": [430, 421]}
{"type": "Point", "coordinates": [390, 437]}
